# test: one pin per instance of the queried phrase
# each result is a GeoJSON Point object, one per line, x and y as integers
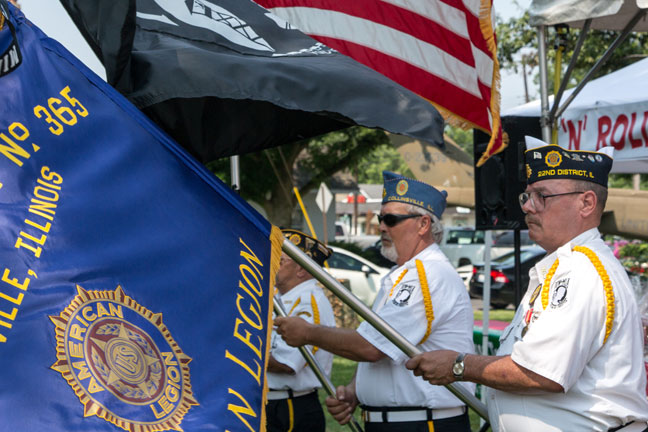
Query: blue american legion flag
{"type": "Point", "coordinates": [134, 285]}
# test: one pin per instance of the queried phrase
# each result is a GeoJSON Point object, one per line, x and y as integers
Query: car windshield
{"type": "Point", "coordinates": [465, 237]}
{"type": "Point", "coordinates": [509, 258]}
{"type": "Point", "coordinates": [507, 238]}
{"type": "Point", "coordinates": [341, 261]}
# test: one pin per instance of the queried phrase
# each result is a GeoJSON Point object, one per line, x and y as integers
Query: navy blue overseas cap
{"type": "Point", "coordinates": [550, 161]}
{"type": "Point", "coordinates": [312, 247]}
{"type": "Point", "coordinates": [409, 191]}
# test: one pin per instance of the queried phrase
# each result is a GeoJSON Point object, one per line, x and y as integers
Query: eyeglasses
{"type": "Point", "coordinates": [538, 199]}
{"type": "Point", "coordinates": [392, 220]}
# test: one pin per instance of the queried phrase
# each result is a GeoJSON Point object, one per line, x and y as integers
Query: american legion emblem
{"type": "Point", "coordinates": [122, 362]}
{"type": "Point", "coordinates": [401, 187]}
{"type": "Point", "coordinates": [553, 159]}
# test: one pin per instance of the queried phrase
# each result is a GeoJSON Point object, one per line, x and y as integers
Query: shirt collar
{"type": "Point", "coordinates": [431, 252]}
{"type": "Point", "coordinates": [297, 289]}
{"type": "Point", "coordinates": [542, 267]}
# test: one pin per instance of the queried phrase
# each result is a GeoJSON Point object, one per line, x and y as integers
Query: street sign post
{"type": "Point", "coordinates": [323, 200]}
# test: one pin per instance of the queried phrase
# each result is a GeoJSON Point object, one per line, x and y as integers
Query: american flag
{"type": "Point", "coordinates": [443, 50]}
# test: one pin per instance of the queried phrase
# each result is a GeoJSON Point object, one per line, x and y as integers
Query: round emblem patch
{"type": "Point", "coordinates": [295, 239]}
{"type": "Point", "coordinates": [403, 295]}
{"type": "Point", "coordinates": [528, 170]}
{"type": "Point", "coordinates": [401, 187]}
{"type": "Point", "coordinates": [553, 159]}
{"type": "Point", "coordinates": [122, 362]}
{"type": "Point", "coordinates": [559, 296]}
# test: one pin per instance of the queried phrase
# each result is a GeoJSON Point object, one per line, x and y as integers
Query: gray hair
{"type": "Point", "coordinates": [437, 227]}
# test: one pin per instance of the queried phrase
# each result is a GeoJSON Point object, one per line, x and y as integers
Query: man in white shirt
{"type": "Point", "coordinates": [424, 299]}
{"type": "Point", "coordinates": [572, 358]}
{"type": "Point", "coordinates": [293, 404]}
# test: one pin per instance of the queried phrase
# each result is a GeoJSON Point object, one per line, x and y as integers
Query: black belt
{"type": "Point", "coordinates": [287, 394]}
{"type": "Point", "coordinates": [408, 414]}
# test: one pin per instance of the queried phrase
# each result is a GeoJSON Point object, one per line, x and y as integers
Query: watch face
{"type": "Point", "coordinates": [457, 369]}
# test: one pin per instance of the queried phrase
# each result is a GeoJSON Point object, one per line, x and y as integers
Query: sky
{"type": "Point", "coordinates": [50, 16]}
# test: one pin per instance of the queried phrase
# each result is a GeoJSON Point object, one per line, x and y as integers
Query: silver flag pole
{"type": "Point", "coordinates": [376, 321]}
{"type": "Point", "coordinates": [315, 367]}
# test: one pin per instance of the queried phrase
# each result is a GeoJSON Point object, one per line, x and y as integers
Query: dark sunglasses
{"type": "Point", "coordinates": [391, 219]}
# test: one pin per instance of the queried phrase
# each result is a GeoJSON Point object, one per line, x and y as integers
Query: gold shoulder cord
{"type": "Point", "coordinates": [2, 20]}
{"type": "Point", "coordinates": [397, 282]}
{"type": "Point", "coordinates": [316, 316]}
{"type": "Point", "coordinates": [607, 286]}
{"type": "Point", "coordinates": [427, 301]}
{"type": "Point", "coordinates": [294, 306]}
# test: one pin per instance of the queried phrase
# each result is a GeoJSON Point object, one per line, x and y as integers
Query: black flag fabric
{"type": "Point", "coordinates": [228, 77]}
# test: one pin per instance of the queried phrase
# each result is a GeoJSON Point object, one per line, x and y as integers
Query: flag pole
{"type": "Point", "coordinates": [376, 321]}
{"type": "Point", "coordinates": [236, 173]}
{"type": "Point", "coordinates": [315, 367]}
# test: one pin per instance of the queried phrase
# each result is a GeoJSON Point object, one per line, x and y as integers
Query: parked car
{"type": "Point", "coordinates": [373, 254]}
{"type": "Point", "coordinates": [465, 245]}
{"type": "Point", "coordinates": [465, 272]}
{"type": "Point", "coordinates": [362, 275]}
{"type": "Point", "coordinates": [502, 276]}
{"type": "Point", "coordinates": [343, 235]}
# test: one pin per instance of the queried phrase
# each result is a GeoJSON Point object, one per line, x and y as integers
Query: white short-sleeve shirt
{"type": "Point", "coordinates": [605, 383]}
{"type": "Point", "coordinates": [306, 300]}
{"type": "Point", "coordinates": [387, 382]}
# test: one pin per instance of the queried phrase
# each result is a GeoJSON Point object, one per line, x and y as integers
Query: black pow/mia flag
{"type": "Point", "coordinates": [228, 77]}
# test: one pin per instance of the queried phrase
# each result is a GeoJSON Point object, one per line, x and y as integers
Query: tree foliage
{"type": "Point", "coordinates": [383, 157]}
{"type": "Point", "coordinates": [268, 177]}
{"type": "Point", "coordinates": [464, 138]}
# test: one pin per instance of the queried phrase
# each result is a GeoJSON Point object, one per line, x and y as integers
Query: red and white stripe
{"type": "Point", "coordinates": [443, 50]}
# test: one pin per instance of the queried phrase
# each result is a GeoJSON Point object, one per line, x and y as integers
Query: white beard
{"type": "Point", "coordinates": [389, 252]}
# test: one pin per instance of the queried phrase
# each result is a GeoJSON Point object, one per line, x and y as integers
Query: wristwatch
{"type": "Point", "coordinates": [458, 367]}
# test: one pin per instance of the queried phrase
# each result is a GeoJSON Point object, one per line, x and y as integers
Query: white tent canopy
{"type": "Point", "coordinates": [611, 110]}
{"type": "Point", "coordinates": [605, 14]}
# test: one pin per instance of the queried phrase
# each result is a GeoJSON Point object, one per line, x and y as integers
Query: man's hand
{"type": "Point", "coordinates": [342, 408]}
{"type": "Point", "coordinates": [293, 330]}
{"type": "Point", "coordinates": [434, 366]}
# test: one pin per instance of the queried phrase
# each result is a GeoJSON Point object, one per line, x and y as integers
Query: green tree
{"type": "Point", "coordinates": [624, 181]}
{"type": "Point", "coordinates": [267, 177]}
{"type": "Point", "coordinates": [464, 138]}
{"type": "Point", "coordinates": [383, 157]}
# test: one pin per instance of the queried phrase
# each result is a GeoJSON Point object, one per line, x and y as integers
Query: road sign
{"type": "Point", "coordinates": [324, 198]}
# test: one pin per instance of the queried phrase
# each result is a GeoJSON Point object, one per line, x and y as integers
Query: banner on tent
{"type": "Point", "coordinates": [625, 128]}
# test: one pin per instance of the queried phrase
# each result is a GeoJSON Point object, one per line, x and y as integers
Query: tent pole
{"type": "Point", "coordinates": [376, 321]}
{"type": "Point", "coordinates": [545, 124]}
{"type": "Point", "coordinates": [570, 69]}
